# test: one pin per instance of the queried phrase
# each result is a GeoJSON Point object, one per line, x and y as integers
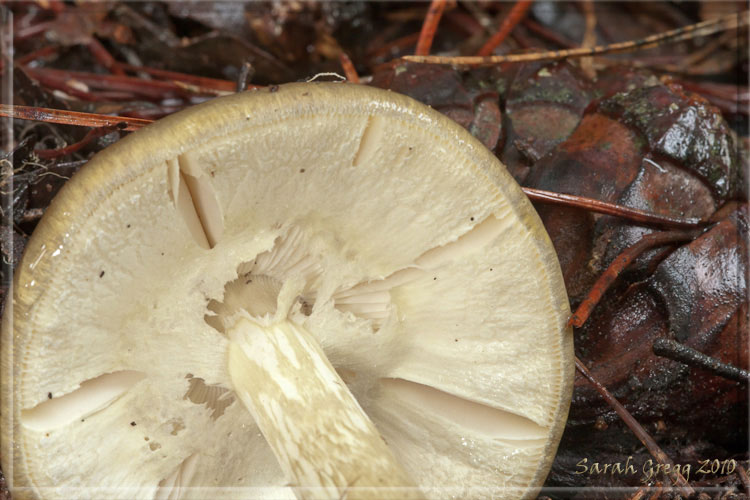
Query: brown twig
{"type": "Point", "coordinates": [679, 352]}
{"type": "Point", "coordinates": [150, 89]}
{"type": "Point", "coordinates": [548, 34]}
{"type": "Point", "coordinates": [640, 433]}
{"type": "Point", "coordinates": [32, 31]}
{"type": "Point", "coordinates": [200, 81]}
{"type": "Point", "coordinates": [37, 54]}
{"type": "Point", "coordinates": [197, 89]}
{"type": "Point", "coordinates": [506, 26]}
{"type": "Point", "coordinates": [102, 55]}
{"type": "Point", "coordinates": [150, 113]}
{"type": "Point", "coordinates": [429, 27]}
{"type": "Point", "coordinates": [118, 87]}
{"type": "Point", "coordinates": [48, 154]}
{"type": "Point", "coordinates": [744, 478]}
{"type": "Point", "coordinates": [704, 52]}
{"type": "Point", "coordinates": [704, 28]}
{"type": "Point", "coordinates": [656, 495]}
{"type": "Point", "coordinates": [619, 264]}
{"type": "Point", "coordinates": [640, 493]}
{"type": "Point", "coordinates": [65, 117]}
{"type": "Point", "coordinates": [349, 70]}
{"type": "Point", "coordinates": [602, 207]}
{"type": "Point", "coordinates": [589, 37]}
{"type": "Point", "coordinates": [524, 41]}
{"type": "Point", "coordinates": [72, 87]}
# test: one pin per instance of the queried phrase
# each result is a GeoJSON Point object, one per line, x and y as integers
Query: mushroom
{"type": "Point", "coordinates": [321, 290]}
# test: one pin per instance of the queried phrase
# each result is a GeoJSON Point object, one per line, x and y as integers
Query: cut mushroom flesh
{"type": "Point", "coordinates": [343, 262]}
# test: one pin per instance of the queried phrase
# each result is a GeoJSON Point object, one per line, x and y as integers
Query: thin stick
{"type": "Point", "coordinates": [634, 426]}
{"type": "Point", "coordinates": [152, 113]}
{"type": "Point", "coordinates": [349, 70]}
{"type": "Point", "coordinates": [701, 54]}
{"type": "Point", "coordinates": [56, 82]}
{"type": "Point", "coordinates": [90, 136]}
{"type": "Point", "coordinates": [638, 495]}
{"type": "Point", "coordinates": [148, 88]}
{"type": "Point", "coordinates": [524, 41]}
{"type": "Point", "coordinates": [548, 34]}
{"type": "Point", "coordinates": [658, 493]}
{"type": "Point", "coordinates": [705, 28]}
{"type": "Point", "coordinates": [201, 81]}
{"type": "Point", "coordinates": [603, 207]}
{"type": "Point", "coordinates": [429, 27]}
{"type": "Point", "coordinates": [619, 264]}
{"type": "Point", "coordinates": [589, 37]}
{"type": "Point", "coordinates": [679, 352]}
{"type": "Point", "coordinates": [102, 55]}
{"type": "Point", "coordinates": [506, 26]}
{"type": "Point", "coordinates": [33, 30]}
{"type": "Point", "coordinates": [197, 89]}
{"type": "Point", "coordinates": [66, 117]}
{"type": "Point", "coordinates": [37, 54]}
{"type": "Point", "coordinates": [743, 477]}
{"type": "Point", "coordinates": [247, 71]}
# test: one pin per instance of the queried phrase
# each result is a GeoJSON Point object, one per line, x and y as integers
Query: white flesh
{"type": "Point", "coordinates": [376, 225]}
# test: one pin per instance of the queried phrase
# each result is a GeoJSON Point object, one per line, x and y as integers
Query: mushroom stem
{"type": "Point", "coordinates": [320, 435]}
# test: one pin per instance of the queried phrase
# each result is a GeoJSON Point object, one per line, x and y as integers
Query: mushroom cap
{"type": "Point", "coordinates": [400, 242]}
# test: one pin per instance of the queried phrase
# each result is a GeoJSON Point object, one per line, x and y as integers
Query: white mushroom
{"type": "Point", "coordinates": [348, 265]}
